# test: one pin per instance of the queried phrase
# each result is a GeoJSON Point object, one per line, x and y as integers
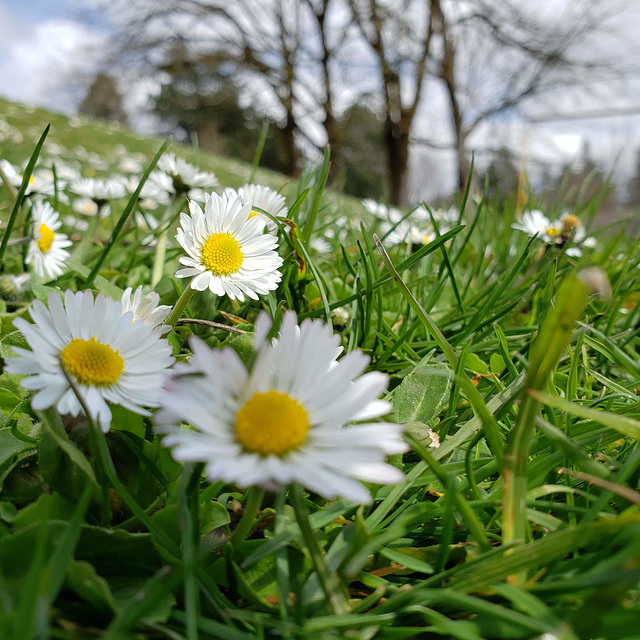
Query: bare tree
{"type": "Point", "coordinates": [399, 35]}
{"type": "Point", "coordinates": [493, 57]}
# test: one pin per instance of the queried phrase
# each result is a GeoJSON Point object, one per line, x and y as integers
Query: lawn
{"type": "Point", "coordinates": [508, 503]}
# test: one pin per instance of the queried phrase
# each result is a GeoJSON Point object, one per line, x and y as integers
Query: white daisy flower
{"type": "Point", "coordinates": [283, 422]}
{"type": "Point", "coordinates": [265, 198]}
{"type": "Point", "coordinates": [75, 223]}
{"type": "Point", "coordinates": [381, 211]}
{"type": "Point", "coordinates": [153, 191]}
{"type": "Point", "coordinates": [184, 175]}
{"type": "Point", "coordinates": [111, 358]}
{"type": "Point", "coordinates": [41, 182]}
{"type": "Point", "coordinates": [47, 248]}
{"type": "Point", "coordinates": [99, 190]}
{"type": "Point", "coordinates": [421, 235]}
{"type": "Point", "coordinates": [145, 309]}
{"type": "Point", "coordinates": [536, 223]}
{"type": "Point", "coordinates": [85, 206]}
{"type": "Point", "coordinates": [228, 253]}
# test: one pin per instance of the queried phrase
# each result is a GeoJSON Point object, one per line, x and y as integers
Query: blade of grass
{"type": "Point", "coordinates": [21, 192]}
{"type": "Point", "coordinates": [128, 210]}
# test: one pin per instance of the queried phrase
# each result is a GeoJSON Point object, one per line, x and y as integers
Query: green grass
{"type": "Point", "coordinates": [523, 523]}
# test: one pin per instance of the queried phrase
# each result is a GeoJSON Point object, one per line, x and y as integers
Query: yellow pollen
{"type": "Point", "coordinates": [46, 238]}
{"type": "Point", "coordinates": [221, 254]}
{"type": "Point", "coordinates": [552, 232]}
{"type": "Point", "coordinates": [271, 423]}
{"type": "Point", "coordinates": [92, 363]}
{"type": "Point", "coordinates": [253, 214]}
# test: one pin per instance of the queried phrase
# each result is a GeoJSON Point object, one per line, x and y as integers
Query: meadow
{"type": "Point", "coordinates": [137, 500]}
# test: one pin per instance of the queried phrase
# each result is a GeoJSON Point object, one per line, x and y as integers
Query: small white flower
{"type": "Point", "coordinates": [75, 223]}
{"type": "Point", "coordinates": [184, 175]}
{"type": "Point", "coordinates": [421, 235]}
{"type": "Point", "coordinates": [157, 191]}
{"type": "Point", "coordinates": [99, 190]}
{"type": "Point", "coordinates": [382, 211]}
{"type": "Point", "coordinates": [41, 182]}
{"type": "Point", "coordinates": [536, 223]}
{"type": "Point", "coordinates": [47, 248]}
{"type": "Point", "coordinates": [228, 253]}
{"type": "Point", "coordinates": [85, 206]}
{"type": "Point", "coordinates": [146, 309]}
{"type": "Point", "coordinates": [111, 358]}
{"type": "Point", "coordinates": [265, 198]}
{"type": "Point", "coordinates": [283, 422]}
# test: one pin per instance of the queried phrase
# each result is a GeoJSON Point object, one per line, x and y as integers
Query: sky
{"type": "Point", "coordinates": [41, 62]}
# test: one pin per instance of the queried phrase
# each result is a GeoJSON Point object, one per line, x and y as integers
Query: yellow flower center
{"type": "Point", "coordinates": [271, 423]}
{"type": "Point", "coordinates": [221, 254]}
{"type": "Point", "coordinates": [253, 214]}
{"type": "Point", "coordinates": [92, 363]}
{"type": "Point", "coordinates": [552, 232]}
{"type": "Point", "coordinates": [46, 238]}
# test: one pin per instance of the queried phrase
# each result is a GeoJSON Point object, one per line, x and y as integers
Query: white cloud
{"type": "Point", "coordinates": [46, 63]}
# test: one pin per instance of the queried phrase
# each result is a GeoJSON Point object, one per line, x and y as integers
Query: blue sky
{"type": "Point", "coordinates": [37, 10]}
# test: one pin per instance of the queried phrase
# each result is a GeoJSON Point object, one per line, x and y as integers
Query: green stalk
{"type": "Point", "coordinates": [423, 316]}
{"type": "Point", "coordinates": [161, 246]}
{"type": "Point", "coordinates": [552, 341]}
{"type": "Point", "coordinates": [328, 581]}
{"type": "Point", "coordinates": [180, 306]}
{"type": "Point", "coordinates": [188, 503]}
{"type": "Point", "coordinates": [21, 191]}
{"type": "Point", "coordinates": [128, 210]}
{"type": "Point", "coordinates": [251, 508]}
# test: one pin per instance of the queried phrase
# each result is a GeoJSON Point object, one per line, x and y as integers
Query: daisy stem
{"type": "Point", "coordinates": [180, 306]}
{"type": "Point", "coordinates": [188, 503]}
{"type": "Point", "coordinates": [251, 508]}
{"type": "Point", "coordinates": [161, 246]}
{"type": "Point", "coordinates": [328, 581]}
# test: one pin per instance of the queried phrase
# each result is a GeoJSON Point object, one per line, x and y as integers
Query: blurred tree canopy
{"type": "Point", "coordinates": [198, 97]}
{"type": "Point", "coordinates": [304, 64]}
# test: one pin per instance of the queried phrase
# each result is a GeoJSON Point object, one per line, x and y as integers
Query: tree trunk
{"type": "Point", "coordinates": [397, 144]}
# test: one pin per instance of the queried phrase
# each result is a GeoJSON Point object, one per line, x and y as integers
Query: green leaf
{"type": "Point", "coordinates": [84, 581]}
{"type": "Point", "coordinates": [422, 394]}
{"type": "Point", "coordinates": [13, 339]}
{"type": "Point", "coordinates": [497, 364]}
{"type": "Point", "coordinates": [473, 362]}
{"type": "Point", "coordinates": [242, 344]}
{"type": "Point", "coordinates": [102, 284]}
{"type": "Point", "coordinates": [12, 452]}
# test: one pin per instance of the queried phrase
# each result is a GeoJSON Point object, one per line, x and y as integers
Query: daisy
{"type": "Point", "coordinates": [99, 190]}
{"type": "Point", "coordinates": [261, 197]}
{"type": "Point", "coordinates": [184, 175]}
{"type": "Point", "coordinates": [111, 358]}
{"type": "Point", "coordinates": [283, 421]}
{"type": "Point", "coordinates": [41, 182]}
{"type": "Point", "coordinates": [536, 223]}
{"type": "Point", "coordinates": [381, 211]}
{"type": "Point", "coordinates": [85, 206]}
{"type": "Point", "coordinates": [228, 253]}
{"type": "Point", "coordinates": [145, 309]}
{"type": "Point", "coordinates": [47, 248]}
